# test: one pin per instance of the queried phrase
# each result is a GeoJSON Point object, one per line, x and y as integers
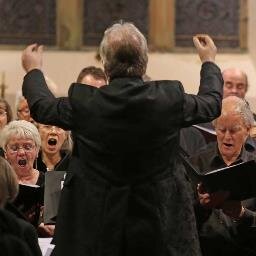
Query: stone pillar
{"type": "Point", "coordinates": [69, 24]}
{"type": "Point", "coordinates": [161, 24]}
{"type": "Point", "coordinates": [243, 25]}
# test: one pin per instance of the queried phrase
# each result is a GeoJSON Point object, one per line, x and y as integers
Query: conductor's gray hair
{"type": "Point", "coordinates": [123, 51]}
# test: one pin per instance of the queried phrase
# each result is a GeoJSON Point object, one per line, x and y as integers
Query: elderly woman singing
{"type": "Point", "coordinates": [21, 142]}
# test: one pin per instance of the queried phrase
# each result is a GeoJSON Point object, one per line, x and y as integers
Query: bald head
{"type": "Point", "coordinates": [93, 76]}
{"type": "Point", "coordinates": [235, 82]}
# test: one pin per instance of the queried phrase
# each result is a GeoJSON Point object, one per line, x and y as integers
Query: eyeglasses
{"type": "Point", "coordinates": [13, 149]}
{"type": "Point", "coordinates": [51, 128]}
{"type": "Point", "coordinates": [24, 111]}
{"type": "Point", "coordinates": [2, 113]}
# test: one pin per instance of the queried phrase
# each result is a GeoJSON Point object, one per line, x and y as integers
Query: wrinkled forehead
{"type": "Point", "coordinates": [235, 75]}
{"type": "Point", "coordinates": [23, 104]}
{"type": "Point", "coordinates": [91, 80]}
{"type": "Point", "coordinates": [230, 118]}
{"type": "Point", "coordinates": [20, 138]}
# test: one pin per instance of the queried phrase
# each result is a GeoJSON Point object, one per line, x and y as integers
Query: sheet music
{"type": "Point", "coordinates": [46, 246]}
{"type": "Point", "coordinates": [226, 168]}
{"type": "Point", "coordinates": [211, 131]}
{"type": "Point", "coordinates": [30, 185]}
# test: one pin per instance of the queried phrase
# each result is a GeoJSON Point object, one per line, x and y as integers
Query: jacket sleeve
{"type": "Point", "coordinates": [44, 106]}
{"type": "Point", "coordinates": [206, 105]}
{"type": "Point", "coordinates": [31, 239]}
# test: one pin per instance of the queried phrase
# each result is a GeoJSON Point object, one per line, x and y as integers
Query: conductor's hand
{"type": "Point", "coordinates": [205, 47]}
{"type": "Point", "coordinates": [32, 57]}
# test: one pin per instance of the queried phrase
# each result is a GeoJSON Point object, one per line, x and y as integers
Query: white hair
{"type": "Point", "coordinates": [234, 104]}
{"type": "Point", "coordinates": [20, 129]}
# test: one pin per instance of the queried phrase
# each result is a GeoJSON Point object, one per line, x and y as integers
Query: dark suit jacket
{"type": "Point", "coordinates": [126, 192]}
{"type": "Point", "coordinates": [62, 165]}
{"type": "Point", "coordinates": [219, 234]}
{"type": "Point", "coordinates": [22, 234]}
{"type": "Point", "coordinates": [191, 140]}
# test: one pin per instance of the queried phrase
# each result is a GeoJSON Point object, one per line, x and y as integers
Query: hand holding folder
{"type": "Point", "coordinates": [212, 200]}
{"type": "Point", "coordinates": [29, 201]}
{"type": "Point", "coordinates": [239, 179]}
{"type": "Point", "coordinates": [219, 200]}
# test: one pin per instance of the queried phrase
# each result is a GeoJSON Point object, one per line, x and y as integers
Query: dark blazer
{"type": "Point", "coordinates": [22, 234]}
{"type": "Point", "coordinates": [218, 233]}
{"type": "Point", "coordinates": [191, 140]}
{"type": "Point", "coordinates": [62, 165]}
{"type": "Point", "coordinates": [126, 192]}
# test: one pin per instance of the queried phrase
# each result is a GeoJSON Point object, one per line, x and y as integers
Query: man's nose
{"type": "Point", "coordinates": [227, 134]}
{"type": "Point", "coordinates": [21, 151]}
{"type": "Point", "coordinates": [234, 90]}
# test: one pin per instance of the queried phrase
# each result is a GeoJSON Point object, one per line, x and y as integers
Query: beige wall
{"type": "Point", "coordinates": [251, 29]}
{"type": "Point", "coordinates": [63, 67]}
{"type": "Point", "coordinates": [252, 49]}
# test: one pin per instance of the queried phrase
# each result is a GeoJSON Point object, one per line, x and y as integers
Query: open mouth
{"type": "Point", "coordinates": [52, 142]}
{"type": "Point", "coordinates": [228, 145]}
{"type": "Point", "coordinates": [22, 162]}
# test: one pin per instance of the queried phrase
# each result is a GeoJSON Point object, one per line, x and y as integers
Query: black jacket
{"type": "Point", "coordinates": [20, 236]}
{"type": "Point", "coordinates": [62, 165]}
{"type": "Point", "coordinates": [126, 193]}
{"type": "Point", "coordinates": [219, 234]}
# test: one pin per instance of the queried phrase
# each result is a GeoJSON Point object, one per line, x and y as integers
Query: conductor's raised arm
{"type": "Point", "coordinates": [209, 96]}
{"type": "Point", "coordinates": [32, 57]}
{"type": "Point", "coordinates": [205, 47]}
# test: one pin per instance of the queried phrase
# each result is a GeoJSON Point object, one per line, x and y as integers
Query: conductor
{"type": "Point", "coordinates": [126, 192]}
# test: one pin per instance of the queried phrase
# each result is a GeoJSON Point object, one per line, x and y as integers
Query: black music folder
{"type": "Point", "coordinates": [238, 179]}
{"type": "Point", "coordinates": [29, 197]}
{"type": "Point", "coordinates": [53, 185]}
{"type": "Point", "coordinates": [29, 201]}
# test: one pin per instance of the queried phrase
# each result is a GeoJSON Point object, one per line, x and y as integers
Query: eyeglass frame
{"type": "Point", "coordinates": [3, 113]}
{"type": "Point", "coordinates": [18, 147]}
{"type": "Point", "coordinates": [49, 128]}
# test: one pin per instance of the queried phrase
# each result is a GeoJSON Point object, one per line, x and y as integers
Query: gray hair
{"type": "Point", "coordinates": [123, 51]}
{"type": "Point", "coordinates": [8, 182]}
{"type": "Point", "coordinates": [21, 129]}
{"type": "Point", "coordinates": [68, 143]}
{"type": "Point", "coordinates": [19, 98]}
{"type": "Point", "coordinates": [237, 105]}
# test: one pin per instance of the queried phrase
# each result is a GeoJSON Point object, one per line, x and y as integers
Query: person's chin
{"type": "Point", "coordinates": [51, 150]}
{"type": "Point", "coordinates": [227, 150]}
